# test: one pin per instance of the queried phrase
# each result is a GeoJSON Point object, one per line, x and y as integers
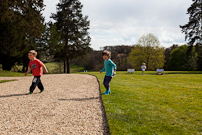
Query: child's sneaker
{"type": "Point", "coordinates": [41, 91]}
{"type": "Point", "coordinates": [107, 92]}
{"type": "Point", "coordinates": [29, 93]}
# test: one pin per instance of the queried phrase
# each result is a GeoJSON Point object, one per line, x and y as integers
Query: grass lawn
{"type": "Point", "coordinates": [54, 68]}
{"type": "Point", "coordinates": [11, 74]}
{"type": "Point", "coordinates": [169, 104]}
{"type": "Point", "coordinates": [3, 81]}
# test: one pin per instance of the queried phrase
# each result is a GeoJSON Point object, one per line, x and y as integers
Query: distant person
{"type": "Point", "coordinates": [35, 65]}
{"type": "Point", "coordinates": [143, 67]}
{"type": "Point", "coordinates": [110, 69]}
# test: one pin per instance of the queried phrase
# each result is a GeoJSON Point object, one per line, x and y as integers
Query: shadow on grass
{"type": "Point", "coordinates": [79, 99]}
{"type": "Point", "coordinates": [14, 95]}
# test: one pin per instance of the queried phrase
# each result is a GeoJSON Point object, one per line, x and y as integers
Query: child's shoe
{"type": "Point", "coordinates": [41, 91]}
{"type": "Point", "coordinates": [29, 93]}
{"type": "Point", "coordinates": [107, 92]}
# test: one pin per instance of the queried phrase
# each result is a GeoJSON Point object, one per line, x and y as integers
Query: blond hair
{"type": "Point", "coordinates": [33, 52]}
{"type": "Point", "coordinates": [108, 53]}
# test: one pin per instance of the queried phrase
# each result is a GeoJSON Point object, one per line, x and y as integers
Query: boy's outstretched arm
{"type": "Point", "coordinates": [102, 70]}
{"type": "Point", "coordinates": [28, 71]}
{"type": "Point", "coordinates": [114, 65]}
{"type": "Point", "coordinates": [45, 69]}
{"type": "Point", "coordinates": [114, 71]}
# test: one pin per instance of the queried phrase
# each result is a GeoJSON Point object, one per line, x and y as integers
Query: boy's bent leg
{"type": "Point", "coordinates": [40, 85]}
{"type": "Point", "coordinates": [35, 82]}
{"type": "Point", "coordinates": [104, 82]}
{"type": "Point", "coordinates": [107, 82]}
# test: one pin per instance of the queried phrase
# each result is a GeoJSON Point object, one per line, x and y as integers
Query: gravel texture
{"type": "Point", "coordinates": [70, 104]}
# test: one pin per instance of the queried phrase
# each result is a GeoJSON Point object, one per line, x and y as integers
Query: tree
{"type": "Point", "coordinates": [20, 23]}
{"type": "Point", "coordinates": [74, 30]}
{"type": "Point", "coordinates": [198, 48]}
{"type": "Point", "coordinates": [179, 61]}
{"type": "Point", "coordinates": [192, 59]}
{"type": "Point", "coordinates": [51, 42]}
{"type": "Point", "coordinates": [168, 52]}
{"type": "Point", "coordinates": [193, 29]}
{"type": "Point", "coordinates": [147, 50]}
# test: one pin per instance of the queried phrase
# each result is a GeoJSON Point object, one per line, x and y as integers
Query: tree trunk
{"type": "Point", "coordinates": [25, 63]}
{"type": "Point", "coordinates": [66, 46]}
{"type": "Point", "coordinates": [147, 63]}
{"type": "Point", "coordinates": [68, 65]}
{"type": "Point", "coordinates": [65, 65]}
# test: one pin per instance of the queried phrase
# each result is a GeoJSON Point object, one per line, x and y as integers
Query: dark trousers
{"type": "Point", "coordinates": [36, 82]}
{"type": "Point", "coordinates": [106, 82]}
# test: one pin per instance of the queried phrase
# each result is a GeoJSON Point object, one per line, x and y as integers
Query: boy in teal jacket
{"type": "Point", "coordinates": [110, 69]}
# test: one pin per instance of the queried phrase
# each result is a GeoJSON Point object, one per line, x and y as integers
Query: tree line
{"type": "Point", "coordinates": [22, 28]}
{"type": "Point", "coordinates": [173, 58]}
{"type": "Point", "coordinates": [67, 40]}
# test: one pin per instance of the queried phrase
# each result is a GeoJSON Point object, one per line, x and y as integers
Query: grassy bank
{"type": "Point", "coordinates": [11, 74]}
{"type": "Point", "coordinates": [3, 81]}
{"type": "Point", "coordinates": [154, 104]}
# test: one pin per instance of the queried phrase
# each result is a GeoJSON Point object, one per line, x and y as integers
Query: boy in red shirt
{"type": "Point", "coordinates": [35, 65]}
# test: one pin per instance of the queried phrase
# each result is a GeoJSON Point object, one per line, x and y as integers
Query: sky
{"type": "Point", "coordinates": [123, 22]}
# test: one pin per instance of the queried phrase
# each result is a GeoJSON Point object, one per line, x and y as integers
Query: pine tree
{"type": "Point", "coordinates": [74, 28]}
{"type": "Point", "coordinates": [20, 23]}
{"type": "Point", "coordinates": [193, 29]}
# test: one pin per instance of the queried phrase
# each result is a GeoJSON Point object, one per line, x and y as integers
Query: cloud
{"type": "Point", "coordinates": [115, 22]}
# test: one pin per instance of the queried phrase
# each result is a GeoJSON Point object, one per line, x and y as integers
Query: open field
{"type": "Point", "coordinates": [154, 104]}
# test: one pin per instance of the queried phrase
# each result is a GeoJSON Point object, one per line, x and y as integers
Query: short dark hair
{"type": "Point", "coordinates": [107, 53]}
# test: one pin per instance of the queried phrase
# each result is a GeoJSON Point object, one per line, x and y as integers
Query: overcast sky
{"type": "Point", "coordinates": [123, 22]}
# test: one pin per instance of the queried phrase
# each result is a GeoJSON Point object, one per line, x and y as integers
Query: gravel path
{"type": "Point", "coordinates": [70, 104]}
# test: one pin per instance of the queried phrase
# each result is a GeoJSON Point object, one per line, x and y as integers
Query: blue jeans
{"type": "Point", "coordinates": [106, 82]}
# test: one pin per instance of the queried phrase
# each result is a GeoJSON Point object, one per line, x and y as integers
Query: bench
{"type": "Point", "coordinates": [130, 71]}
{"type": "Point", "coordinates": [159, 71]}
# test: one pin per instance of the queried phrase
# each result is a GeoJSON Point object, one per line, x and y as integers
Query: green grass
{"type": "Point", "coordinates": [11, 74]}
{"type": "Point", "coordinates": [3, 81]}
{"type": "Point", "coordinates": [168, 104]}
{"type": "Point", "coordinates": [54, 68]}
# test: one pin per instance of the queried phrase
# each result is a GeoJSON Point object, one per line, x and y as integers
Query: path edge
{"type": "Point", "coordinates": [105, 120]}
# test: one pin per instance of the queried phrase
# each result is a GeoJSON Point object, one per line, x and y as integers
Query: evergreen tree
{"type": "Point", "coordinates": [74, 30]}
{"type": "Point", "coordinates": [193, 29]}
{"type": "Point", "coordinates": [52, 41]}
{"type": "Point", "coordinates": [20, 23]}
